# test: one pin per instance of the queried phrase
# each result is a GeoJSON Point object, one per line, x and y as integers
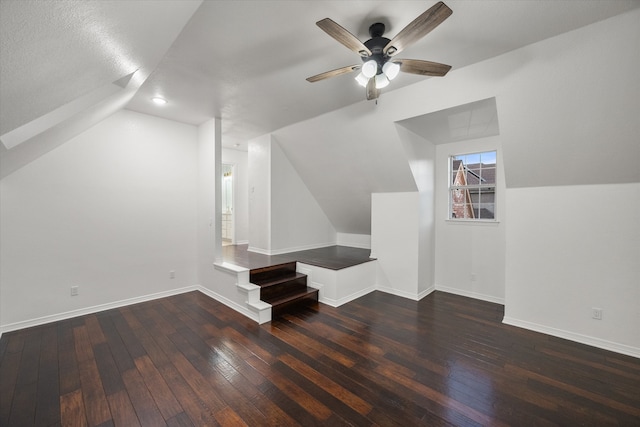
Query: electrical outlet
{"type": "Point", "coordinates": [172, 274]}
{"type": "Point", "coordinates": [74, 291]}
{"type": "Point", "coordinates": [596, 313]}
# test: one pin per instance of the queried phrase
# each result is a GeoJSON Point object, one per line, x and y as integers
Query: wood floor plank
{"type": "Point", "coordinates": [95, 401]}
{"type": "Point", "coordinates": [69, 374]}
{"type": "Point", "coordinates": [292, 390]}
{"type": "Point", "coordinates": [380, 360]}
{"type": "Point", "coordinates": [48, 398]}
{"type": "Point", "coordinates": [72, 412]}
{"type": "Point", "coordinates": [9, 369]}
{"type": "Point", "coordinates": [148, 412]}
{"type": "Point", "coordinates": [122, 410]}
{"type": "Point", "coordinates": [157, 386]}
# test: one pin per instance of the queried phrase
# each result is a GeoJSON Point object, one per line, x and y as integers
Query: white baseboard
{"type": "Point", "coordinates": [463, 293]}
{"type": "Point", "coordinates": [572, 336]}
{"type": "Point", "coordinates": [231, 304]}
{"type": "Point", "coordinates": [94, 309]}
{"type": "Point", "coordinates": [348, 298]}
{"type": "Point", "coordinates": [289, 250]}
{"type": "Point", "coordinates": [405, 294]}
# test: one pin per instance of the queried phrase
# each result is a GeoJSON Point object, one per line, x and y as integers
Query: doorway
{"type": "Point", "coordinates": [228, 221]}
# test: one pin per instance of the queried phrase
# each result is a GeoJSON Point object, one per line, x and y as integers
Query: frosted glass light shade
{"type": "Point", "coordinates": [370, 68]}
{"type": "Point", "coordinates": [391, 70]}
{"type": "Point", "coordinates": [362, 80]}
{"type": "Point", "coordinates": [158, 101]}
{"type": "Point", "coordinates": [381, 81]}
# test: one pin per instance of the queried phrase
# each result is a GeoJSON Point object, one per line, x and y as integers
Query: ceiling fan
{"type": "Point", "coordinates": [379, 65]}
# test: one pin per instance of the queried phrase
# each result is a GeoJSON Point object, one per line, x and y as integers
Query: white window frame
{"type": "Point", "coordinates": [451, 188]}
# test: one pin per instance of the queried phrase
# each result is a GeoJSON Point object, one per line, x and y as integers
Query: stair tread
{"type": "Point", "coordinates": [291, 296]}
{"type": "Point", "coordinates": [268, 273]}
{"type": "Point", "coordinates": [279, 280]}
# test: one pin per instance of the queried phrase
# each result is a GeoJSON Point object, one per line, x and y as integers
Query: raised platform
{"type": "Point", "coordinates": [330, 257]}
{"type": "Point", "coordinates": [339, 273]}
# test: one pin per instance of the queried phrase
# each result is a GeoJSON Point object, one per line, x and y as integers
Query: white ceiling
{"type": "Point", "coordinates": [243, 61]}
{"type": "Point", "coordinates": [468, 121]}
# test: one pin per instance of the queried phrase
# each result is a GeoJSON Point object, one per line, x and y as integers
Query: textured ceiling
{"type": "Point", "coordinates": [246, 61]}
{"type": "Point", "coordinates": [243, 61]}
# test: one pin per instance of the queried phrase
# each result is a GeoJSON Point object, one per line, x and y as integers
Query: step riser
{"type": "Point", "coordinates": [281, 309]}
{"type": "Point", "coordinates": [299, 284]}
{"type": "Point", "coordinates": [267, 274]}
{"type": "Point", "coordinates": [283, 288]}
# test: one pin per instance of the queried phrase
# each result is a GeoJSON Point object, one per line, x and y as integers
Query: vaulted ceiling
{"type": "Point", "coordinates": [65, 65]}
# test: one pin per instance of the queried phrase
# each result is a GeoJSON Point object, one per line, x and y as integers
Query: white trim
{"type": "Point", "coordinates": [344, 300]}
{"type": "Point", "coordinates": [473, 221]}
{"type": "Point", "coordinates": [572, 336]}
{"type": "Point", "coordinates": [258, 250]}
{"type": "Point", "coordinates": [470, 294]}
{"type": "Point", "coordinates": [255, 316]}
{"type": "Point", "coordinates": [405, 294]}
{"type": "Point", "coordinates": [229, 267]}
{"type": "Point", "coordinates": [289, 250]}
{"type": "Point", "coordinates": [94, 309]}
{"type": "Point", "coordinates": [242, 242]}
{"type": "Point", "coordinates": [426, 292]}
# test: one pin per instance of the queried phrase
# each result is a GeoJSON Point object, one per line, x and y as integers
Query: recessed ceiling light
{"type": "Point", "coordinates": [158, 100]}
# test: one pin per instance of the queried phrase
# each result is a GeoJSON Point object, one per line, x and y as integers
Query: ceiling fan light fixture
{"type": "Point", "coordinates": [362, 80]}
{"type": "Point", "coordinates": [391, 70]}
{"type": "Point", "coordinates": [370, 68]}
{"type": "Point", "coordinates": [381, 81]}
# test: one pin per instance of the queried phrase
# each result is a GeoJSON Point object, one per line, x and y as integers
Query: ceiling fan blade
{"type": "Point", "coordinates": [418, 28]}
{"type": "Point", "coordinates": [333, 73]}
{"type": "Point", "coordinates": [372, 91]}
{"type": "Point", "coordinates": [424, 68]}
{"type": "Point", "coordinates": [343, 36]}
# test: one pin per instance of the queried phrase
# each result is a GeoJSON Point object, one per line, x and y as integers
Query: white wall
{"type": "Point", "coordinates": [395, 242]}
{"type": "Point", "coordinates": [570, 249]}
{"type": "Point", "coordinates": [421, 155]}
{"type": "Point", "coordinates": [297, 221]}
{"type": "Point", "coordinates": [112, 211]}
{"type": "Point", "coordinates": [362, 241]}
{"type": "Point", "coordinates": [470, 256]}
{"type": "Point", "coordinates": [206, 215]}
{"type": "Point", "coordinates": [259, 162]}
{"type": "Point", "coordinates": [283, 215]}
{"type": "Point", "coordinates": [241, 192]}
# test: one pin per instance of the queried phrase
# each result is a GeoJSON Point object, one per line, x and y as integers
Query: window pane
{"type": "Point", "coordinates": [485, 205]}
{"type": "Point", "coordinates": [488, 175]}
{"type": "Point", "coordinates": [472, 185]}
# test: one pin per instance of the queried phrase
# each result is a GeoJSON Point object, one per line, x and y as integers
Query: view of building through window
{"type": "Point", "coordinates": [472, 186]}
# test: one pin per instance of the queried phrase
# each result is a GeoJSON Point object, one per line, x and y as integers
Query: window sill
{"type": "Point", "coordinates": [473, 221]}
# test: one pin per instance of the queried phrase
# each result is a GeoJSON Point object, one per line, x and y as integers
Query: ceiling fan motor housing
{"type": "Point", "coordinates": [376, 45]}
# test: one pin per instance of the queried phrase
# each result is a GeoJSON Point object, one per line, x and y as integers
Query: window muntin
{"type": "Point", "coordinates": [472, 186]}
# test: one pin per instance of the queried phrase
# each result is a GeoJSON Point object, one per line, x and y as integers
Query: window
{"type": "Point", "coordinates": [472, 186]}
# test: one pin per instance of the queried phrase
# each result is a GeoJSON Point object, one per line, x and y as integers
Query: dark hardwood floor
{"type": "Point", "coordinates": [379, 360]}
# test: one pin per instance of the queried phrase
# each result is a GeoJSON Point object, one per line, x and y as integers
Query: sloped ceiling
{"type": "Point", "coordinates": [65, 65]}
{"type": "Point", "coordinates": [474, 120]}
{"type": "Point", "coordinates": [242, 61]}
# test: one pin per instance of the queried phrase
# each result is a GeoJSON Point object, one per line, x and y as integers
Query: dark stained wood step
{"type": "Point", "coordinates": [282, 303]}
{"type": "Point", "coordinates": [266, 274]}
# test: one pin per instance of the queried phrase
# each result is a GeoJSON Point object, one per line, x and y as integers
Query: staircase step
{"type": "Point", "coordinates": [266, 274]}
{"type": "Point", "coordinates": [282, 286]}
{"type": "Point", "coordinates": [282, 303]}
{"type": "Point", "coordinates": [273, 281]}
